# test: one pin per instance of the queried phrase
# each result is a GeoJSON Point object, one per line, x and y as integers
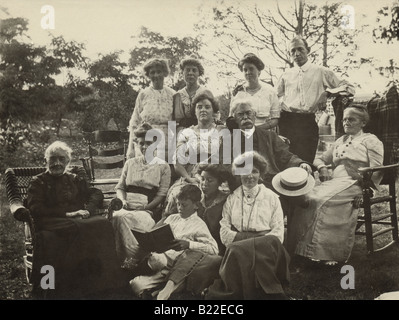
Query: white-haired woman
{"type": "Point", "coordinates": [154, 104]}
{"type": "Point", "coordinates": [325, 230]}
{"type": "Point", "coordinates": [69, 237]}
{"type": "Point", "coordinates": [255, 265]}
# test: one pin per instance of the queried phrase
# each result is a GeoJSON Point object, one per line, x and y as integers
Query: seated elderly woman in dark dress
{"type": "Point", "coordinates": [79, 245]}
{"type": "Point", "coordinates": [255, 265]}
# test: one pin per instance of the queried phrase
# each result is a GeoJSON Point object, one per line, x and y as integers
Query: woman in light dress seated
{"type": "Point", "coordinates": [196, 145]}
{"type": "Point", "coordinates": [255, 265]}
{"type": "Point", "coordinates": [154, 105]}
{"type": "Point", "coordinates": [324, 228]}
{"type": "Point", "coordinates": [142, 187]}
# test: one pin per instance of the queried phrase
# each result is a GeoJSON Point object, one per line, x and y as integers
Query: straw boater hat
{"type": "Point", "coordinates": [293, 182]}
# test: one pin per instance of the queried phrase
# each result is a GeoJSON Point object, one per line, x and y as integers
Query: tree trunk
{"type": "Point", "coordinates": [300, 18]}
{"type": "Point", "coordinates": [325, 36]}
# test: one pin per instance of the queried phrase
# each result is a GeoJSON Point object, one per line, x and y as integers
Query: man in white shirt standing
{"type": "Point", "coordinates": [303, 90]}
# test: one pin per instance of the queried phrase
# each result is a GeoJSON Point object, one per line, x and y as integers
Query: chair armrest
{"type": "Point", "coordinates": [378, 168]}
{"type": "Point", "coordinates": [20, 213]}
{"type": "Point", "coordinates": [15, 201]}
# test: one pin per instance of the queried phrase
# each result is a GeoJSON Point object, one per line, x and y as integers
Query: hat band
{"type": "Point", "coordinates": [293, 188]}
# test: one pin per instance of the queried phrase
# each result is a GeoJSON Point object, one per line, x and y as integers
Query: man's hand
{"type": "Point", "coordinates": [322, 101]}
{"type": "Point", "coordinates": [324, 174]}
{"type": "Point", "coordinates": [307, 167]}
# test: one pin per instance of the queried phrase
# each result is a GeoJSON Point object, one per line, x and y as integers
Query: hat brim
{"type": "Point", "coordinates": [292, 193]}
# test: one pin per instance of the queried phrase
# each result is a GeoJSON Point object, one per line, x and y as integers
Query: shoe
{"type": "Point", "coordinates": [204, 293]}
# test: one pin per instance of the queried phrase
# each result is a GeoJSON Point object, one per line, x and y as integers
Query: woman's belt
{"type": "Point", "coordinates": [297, 115]}
{"type": "Point", "coordinates": [150, 193]}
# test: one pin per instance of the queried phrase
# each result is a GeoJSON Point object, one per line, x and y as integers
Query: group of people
{"type": "Point", "coordinates": [226, 209]}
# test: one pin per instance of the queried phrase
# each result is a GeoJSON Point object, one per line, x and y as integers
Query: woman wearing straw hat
{"type": "Point", "coordinates": [255, 265]}
{"type": "Point", "coordinates": [324, 228]}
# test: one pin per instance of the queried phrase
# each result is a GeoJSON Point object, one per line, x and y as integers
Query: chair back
{"type": "Point", "coordinates": [106, 149]}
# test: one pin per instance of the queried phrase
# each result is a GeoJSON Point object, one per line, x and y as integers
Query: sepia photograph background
{"type": "Point", "coordinates": [73, 67]}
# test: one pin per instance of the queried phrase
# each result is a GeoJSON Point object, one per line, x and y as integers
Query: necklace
{"type": "Point", "coordinates": [242, 208]}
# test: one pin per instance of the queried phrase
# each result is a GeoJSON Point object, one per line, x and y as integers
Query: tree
{"type": "Point", "coordinates": [112, 94]}
{"type": "Point", "coordinates": [153, 44]}
{"type": "Point", "coordinates": [256, 27]}
{"type": "Point", "coordinates": [390, 32]}
{"type": "Point", "coordinates": [28, 89]}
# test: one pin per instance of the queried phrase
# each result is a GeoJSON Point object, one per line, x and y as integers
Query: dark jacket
{"type": "Point", "coordinates": [212, 216]}
{"type": "Point", "coordinates": [54, 196]}
{"type": "Point", "coordinates": [276, 152]}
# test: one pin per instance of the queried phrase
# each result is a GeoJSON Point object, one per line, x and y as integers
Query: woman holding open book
{"type": "Point", "coordinates": [141, 188]}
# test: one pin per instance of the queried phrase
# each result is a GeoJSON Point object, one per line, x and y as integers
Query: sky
{"type": "Point", "coordinates": [108, 25]}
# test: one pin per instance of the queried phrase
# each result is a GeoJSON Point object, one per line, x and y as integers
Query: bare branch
{"type": "Point", "coordinates": [282, 16]}
{"type": "Point", "coordinates": [248, 29]}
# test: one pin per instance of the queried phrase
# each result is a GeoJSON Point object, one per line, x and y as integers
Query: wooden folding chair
{"type": "Point", "coordinates": [376, 224]}
{"type": "Point", "coordinates": [107, 151]}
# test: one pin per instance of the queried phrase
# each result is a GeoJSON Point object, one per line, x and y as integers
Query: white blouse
{"type": "Point", "coordinates": [153, 106]}
{"type": "Point", "coordinates": [265, 102]}
{"type": "Point", "coordinates": [138, 173]}
{"type": "Point", "coordinates": [260, 212]}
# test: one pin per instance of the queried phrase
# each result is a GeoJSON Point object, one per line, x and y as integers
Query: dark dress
{"type": "Point", "coordinates": [81, 251]}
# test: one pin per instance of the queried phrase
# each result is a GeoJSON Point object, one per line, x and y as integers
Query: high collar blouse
{"type": "Point", "coordinates": [262, 213]}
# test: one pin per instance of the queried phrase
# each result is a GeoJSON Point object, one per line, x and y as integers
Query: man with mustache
{"type": "Point", "coordinates": [267, 143]}
{"type": "Point", "coordinates": [303, 90]}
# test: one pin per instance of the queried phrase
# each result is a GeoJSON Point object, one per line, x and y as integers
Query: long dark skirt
{"type": "Point", "coordinates": [251, 269]}
{"type": "Point", "coordinates": [82, 253]}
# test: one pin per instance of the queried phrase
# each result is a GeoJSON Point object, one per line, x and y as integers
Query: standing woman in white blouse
{"type": "Point", "coordinates": [325, 230]}
{"type": "Point", "coordinates": [154, 104]}
{"type": "Point", "coordinates": [262, 96]}
{"type": "Point", "coordinates": [255, 265]}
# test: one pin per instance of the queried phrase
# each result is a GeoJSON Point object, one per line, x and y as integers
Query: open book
{"type": "Point", "coordinates": [156, 240]}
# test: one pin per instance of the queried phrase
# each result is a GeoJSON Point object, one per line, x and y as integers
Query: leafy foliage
{"type": "Point", "coordinates": [112, 96]}
{"type": "Point", "coordinates": [28, 89]}
{"type": "Point", "coordinates": [391, 32]}
{"type": "Point", "coordinates": [152, 44]}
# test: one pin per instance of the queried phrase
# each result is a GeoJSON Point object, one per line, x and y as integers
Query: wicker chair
{"type": "Point", "coordinates": [17, 181]}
